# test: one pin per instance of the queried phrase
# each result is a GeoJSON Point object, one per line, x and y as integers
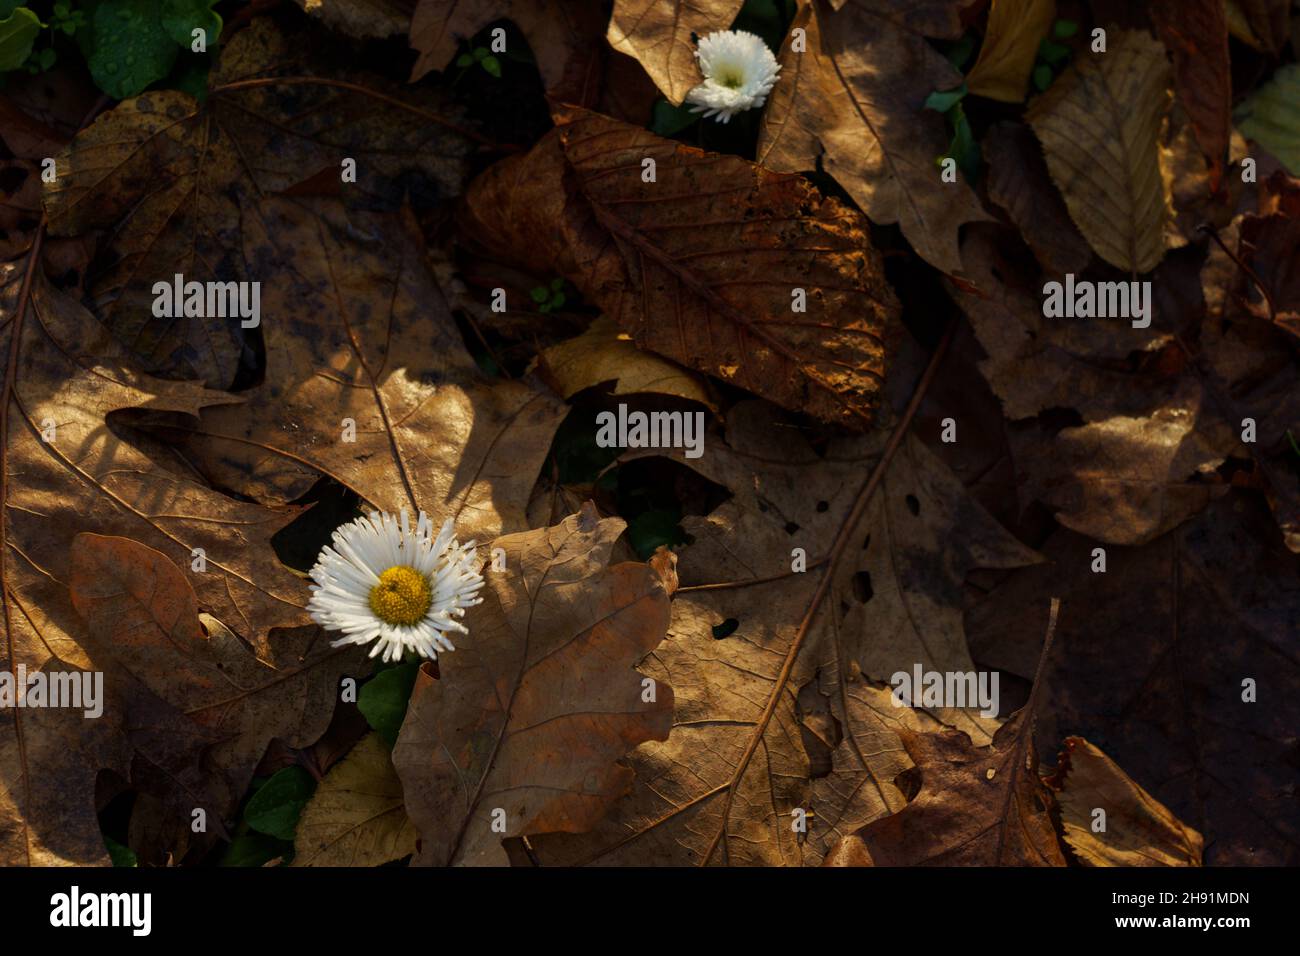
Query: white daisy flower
{"type": "Point", "coordinates": [739, 71]}
{"type": "Point", "coordinates": [404, 590]}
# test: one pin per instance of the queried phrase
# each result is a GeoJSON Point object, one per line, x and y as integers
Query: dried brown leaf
{"type": "Point", "coordinates": [358, 330]}
{"type": "Point", "coordinates": [1099, 124]}
{"type": "Point", "coordinates": [176, 183]}
{"type": "Point", "coordinates": [854, 104]}
{"type": "Point", "coordinates": [1138, 830]}
{"type": "Point", "coordinates": [356, 817]}
{"type": "Point", "coordinates": [521, 732]}
{"type": "Point", "coordinates": [701, 265]}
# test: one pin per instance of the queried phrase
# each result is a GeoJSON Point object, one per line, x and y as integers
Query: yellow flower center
{"type": "Point", "coordinates": [402, 596]}
{"type": "Point", "coordinates": [731, 79]}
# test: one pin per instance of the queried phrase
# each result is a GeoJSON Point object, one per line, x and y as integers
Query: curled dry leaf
{"type": "Point", "coordinates": [831, 746]}
{"type": "Point", "coordinates": [1016, 27]}
{"type": "Point", "coordinates": [358, 331]}
{"type": "Point", "coordinates": [977, 806]}
{"type": "Point", "coordinates": [521, 733]}
{"type": "Point", "coordinates": [658, 34]}
{"type": "Point", "coordinates": [703, 264]}
{"type": "Point", "coordinates": [1114, 102]}
{"type": "Point", "coordinates": [853, 103]}
{"type": "Point", "coordinates": [171, 179]}
{"type": "Point", "coordinates": [1139, 830]}
{"type": "Point", "coordinates": [356, 817]}
{"type": "Point", "coordinates": [1180, 636]}
{"type": "Point", "coordinates": [604, 354]}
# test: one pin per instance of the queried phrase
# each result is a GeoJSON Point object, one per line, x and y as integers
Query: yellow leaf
{"type": "Point", "coordinates": [1099, 124]}
{"type": "Point", "coordinates": [1016, 27]}
{"type": "Point", "coordinates": [1139, 829]}
{"type": "Point", "coordinates": [356, 817]}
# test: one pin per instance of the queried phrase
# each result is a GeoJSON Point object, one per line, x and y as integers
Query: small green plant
{"type": "Point", "coordinates": [480, 55]}
{"type": "Point", "coordinates": [1052, 55]}
{"type": "Point", "coordinates": [550, 298]}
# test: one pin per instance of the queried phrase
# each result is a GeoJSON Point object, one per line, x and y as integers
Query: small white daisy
{"type": "Point", "coordinates": [403, 590]}
{"type": "Point", "coordinates": [739, 71]}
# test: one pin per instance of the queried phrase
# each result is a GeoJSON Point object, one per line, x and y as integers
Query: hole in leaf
{"type": "Point", "coordinates": [791, 527]}
{"type": "Point", "coordinates": [862, 589]}
{"type": "Point", "coordinates": [823, 506]}
{"type": "Point", "coordinates": [725, 629]}
{"type": "Point", "coordinates": [913, 505]}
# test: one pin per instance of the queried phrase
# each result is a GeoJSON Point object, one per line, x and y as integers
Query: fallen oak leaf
{"type": "Point", "coordinates": [749, 680]}
{"type": "Point", "coordinates": [144, 619]}
{"type": "Point", "coordinates": [704, 264]}
{"type": "Point", "coordinates": [521, 731]}
{"type": "Point", "coordinates": [1137, 829]}
{"type": "Point", "coordinates": [66, 471]}
{"type": "Point", "coordinates": [361, 334]}
{"type": "Point", "coordinates": [170, 178]}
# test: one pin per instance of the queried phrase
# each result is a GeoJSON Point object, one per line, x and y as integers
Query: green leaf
{"type": "Point", "coordinates": [558, 300]}
{"type": "Point", "coordinates": [1270, 117]}
{"type": "Point", "coordinates": [1063, 29]}
{"type": "Point", "coordinates": [17, 34]}
{"type": "Point", "coordinates": [669, 120]}
{"type": "Point", "coordinates": [464, 60]}
{"type": "Point", "coordinates": [383, 700]}
{"type": "Point", "coordinates": [648, 530]}
{"type": "Point", "coordinates": [1053, 53]}
{"type": "Point", "coordinates": [492, 65]}
{"type": "Point", "coordinates": [120, 855]}
{"type": "Point", "coordinates": [961, 50]}
{"type": "Point", "coordinates": [129, 49]}
{"type": "Point", "coordinates": [180, 18]}
{"type": "Point", "coordinates": [1042, 77]}
{"type": "Point", "coordinates": [275, 808]}
{"type": "Point", "coordinates": [254, 849]}
{"type": "Point", "coordinates": [941, 101]}
{"type": "Point", "coordinates": [963, 147]}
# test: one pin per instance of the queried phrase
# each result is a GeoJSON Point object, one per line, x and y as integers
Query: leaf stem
{"type": "Point", "coordinates": [842, 538]}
